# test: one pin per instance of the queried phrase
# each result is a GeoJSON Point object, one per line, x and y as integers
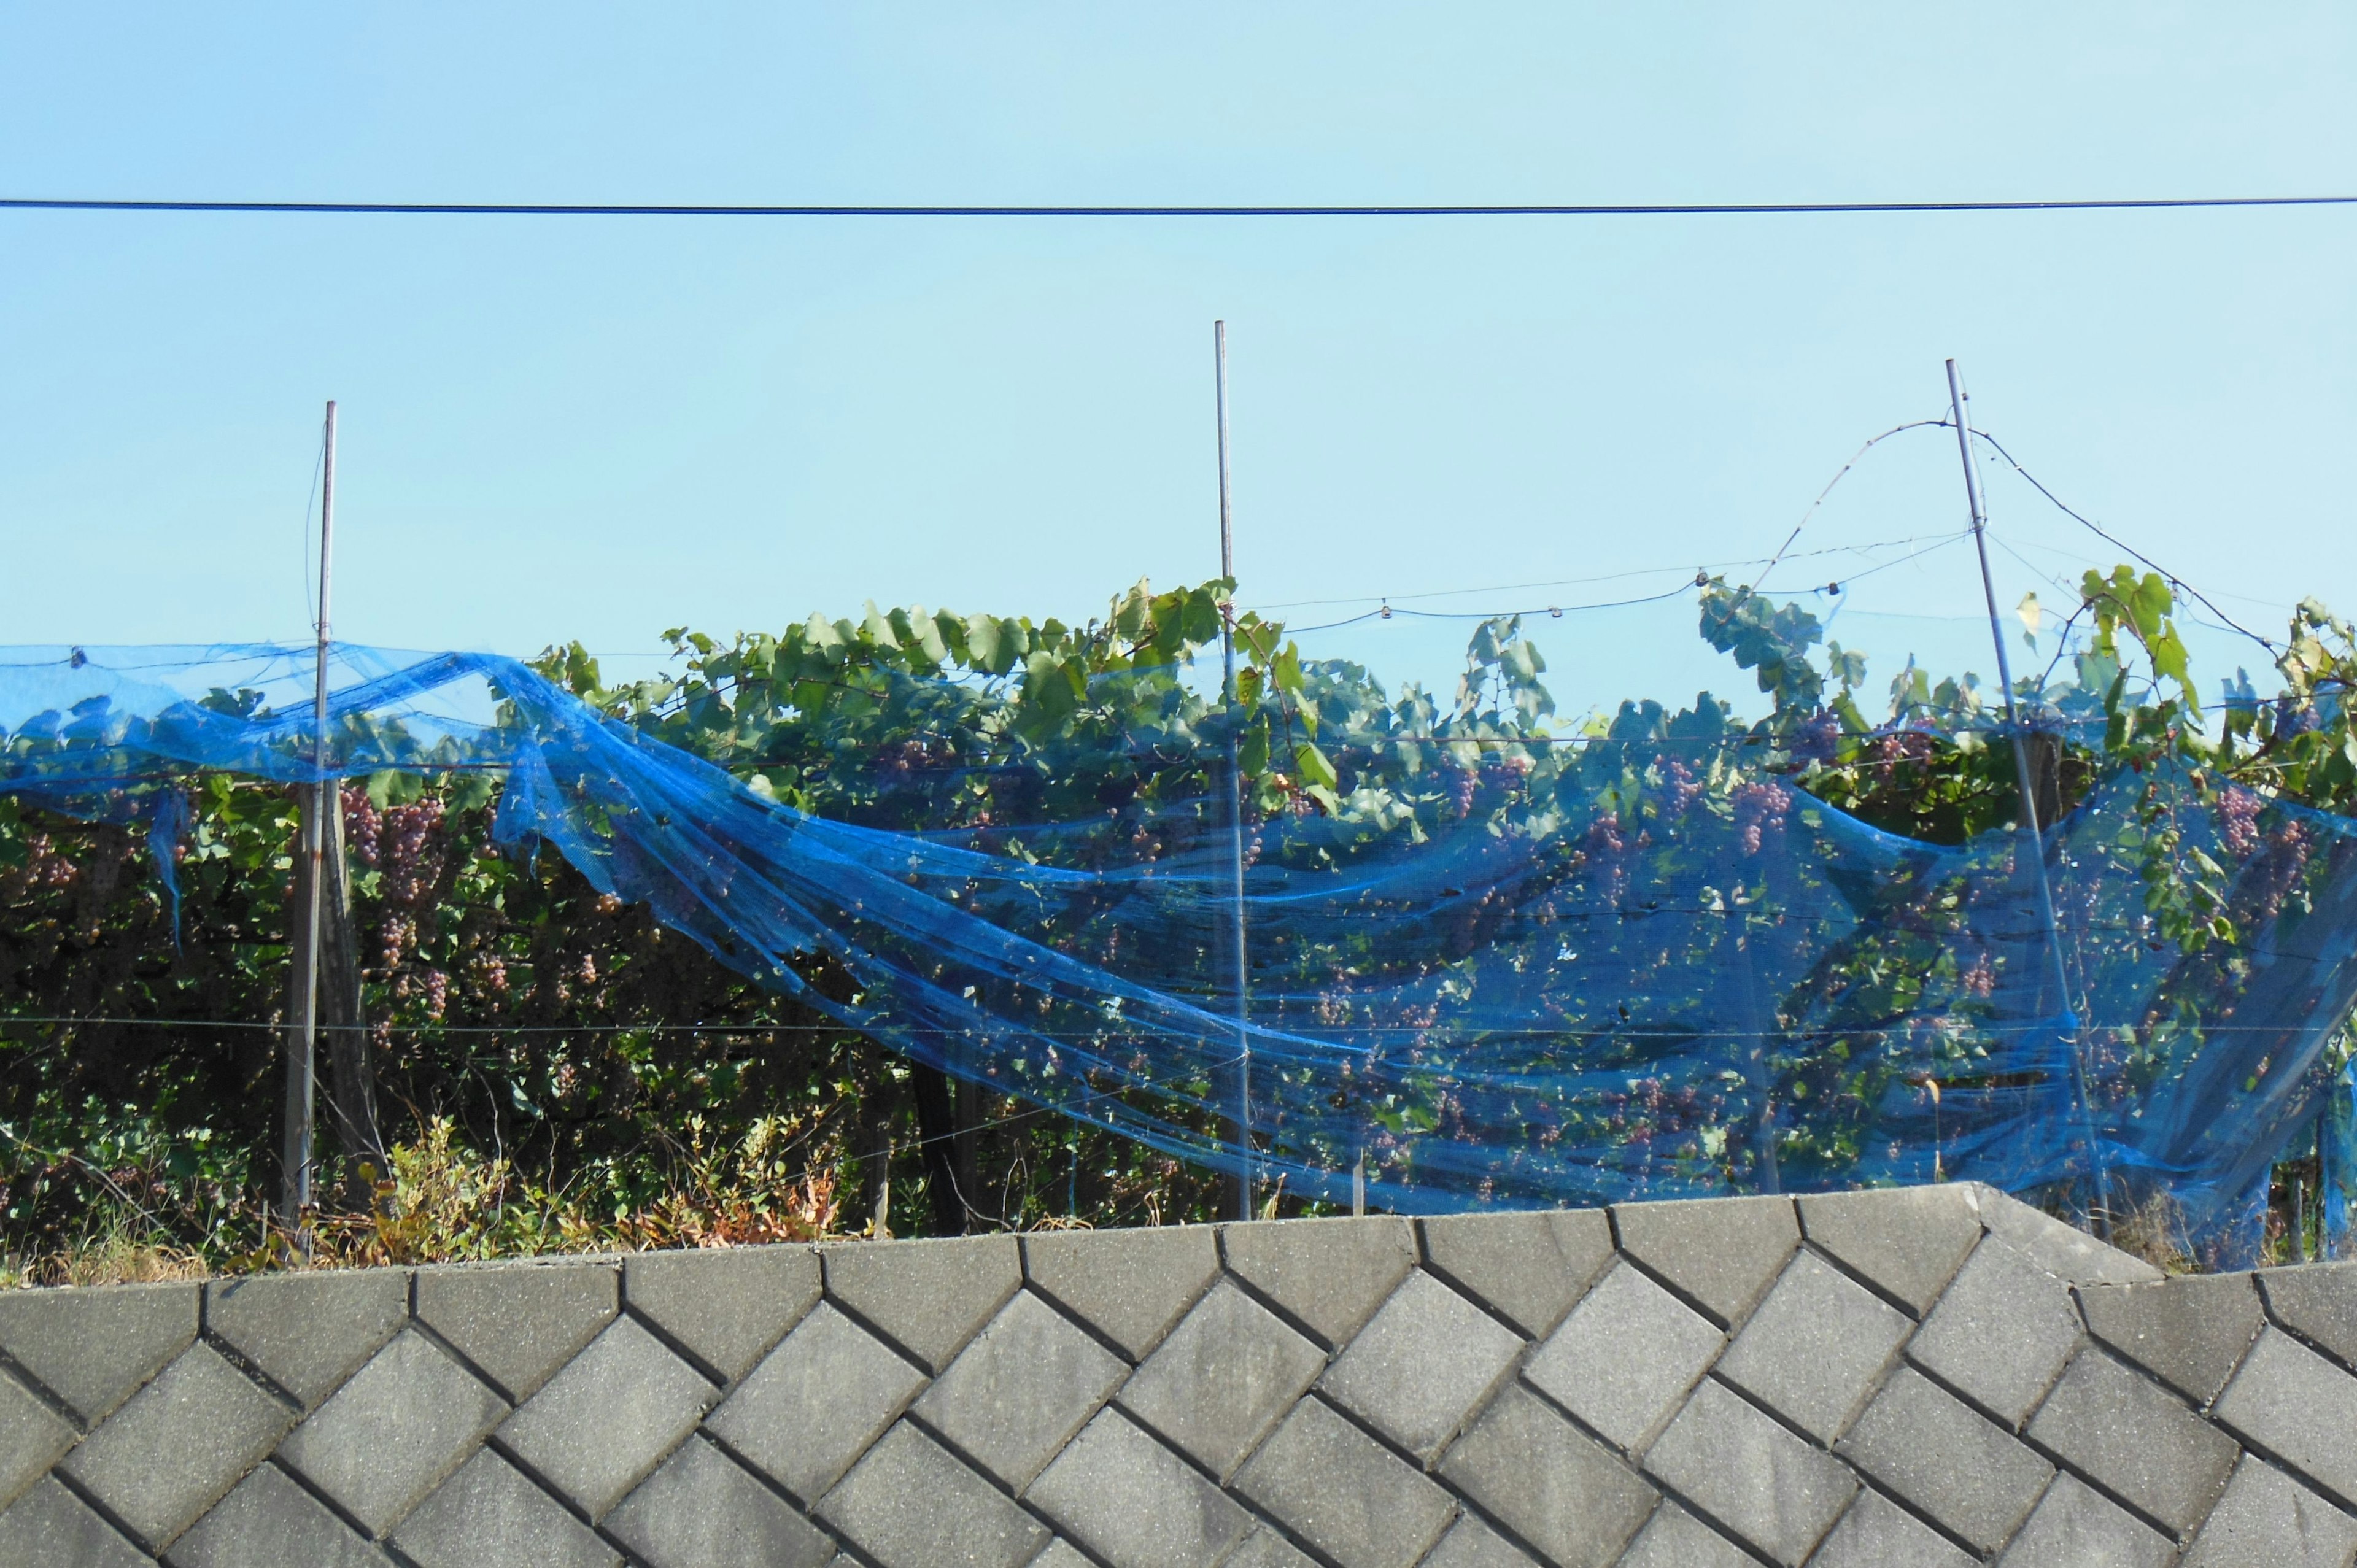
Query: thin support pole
{"type": "Point", "coordinates": [2032, 834]}
{"type": "Point", "coordinates": [1240, 973]}
{"type": "Point", "coordinates": [2325, 1176]}
{"type": "Point", "coordinates": [303, 1044]}
{"type": "Point", "coordinates": [2299, 1212]}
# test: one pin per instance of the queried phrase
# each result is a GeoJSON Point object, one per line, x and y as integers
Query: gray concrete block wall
{"type": "Point", "coordinates": [1889, 1379]}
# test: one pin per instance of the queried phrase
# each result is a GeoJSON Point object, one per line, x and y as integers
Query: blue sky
{"type": "Point", "coordinates": [597, 429]}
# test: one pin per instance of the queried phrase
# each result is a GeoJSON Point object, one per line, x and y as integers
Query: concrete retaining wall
{"type": "Point", "coordinates": [1906, 1378]}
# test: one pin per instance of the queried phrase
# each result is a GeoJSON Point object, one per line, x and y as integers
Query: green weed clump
{"type": "Point", "coordinates": [443, 1202]}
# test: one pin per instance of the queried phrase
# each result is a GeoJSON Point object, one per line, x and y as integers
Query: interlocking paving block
{"type": "Point", "coordinates": [310, 1331]}
{"type": "Point", "coordinates": [702, 1510]}
{"type": "Point", "coordinates": [2316, 1301]}
{"type": "Point", "coordinates": [489, 1514]}
{"type": "Point", "coordinates": [1130, 1286]}
{"type": "Point", "coordinates": [2076, 1527]}
{"type": "Point", "coordinates": [1625, 1357]}
{"type": "Point", "coordinates": [1330, 1274]}
{"type": "Point", "coordinates": [32, 1437]}
{"type": "Point", "coordinates": [1547, 1481]}
{"type": "Point", "coordinates": [2002, 1332]}
{"type": "Point", "coordinates": [928, 1297]}
{"type": "Point", "coordinates": [1752, 1475]}
{"type": "Point", "coordinates": [1721, 1252]}
{"type": "Point", "coordinates": [1470, 1543]}
{"type": "Point", "coordinates": [601, 1425]}
{"type": "Point", "coordinates": [1225, 1375]}
{"type": "Point", "coordinates": [269, 1522]}
{"type": "Point", "coordinates": [1344, 1493]}
{"type": "Point", "coordinates": [1134, 1503]}
{"type": "Point", "coordinates": [1424, 1365]}
{"type": "Point", "coordinates": [50, 1525]}
{"type": "Point", "coordinates": [1816, 1348]}
{"type": "Point", "coordinates": [2118, 1427]}
{"type": "Point", "coordinates": [393, 1432]}
{"type": "Point", "coordinates": [1878, 1533]}
{"type": "Point", "coordinates": [2062, 1250]}
{"type": "Point", "coordinates": [2300, 1408]}
{"type": "Point", "coordinates": [816, 1401]}
{"type": "Point", "coordinates": [1061, 1553]}
{"type": "Point", "coordinates": [93, 1347]}
{"type": "Point", "coordinates": [1673, 1538]}
{"type": "Point", "coordinates": [1908, 1241]}
{"type": "Point", "coordinates": [1019, 1391]}
{"type": "Point", "coordinates": [1528, 1267]}
{"type": "Point", "coordinates": [1974, 1476]}
{"type": "Point", "coordinates": [2266, 1519]}
{"type": "Point", "coordinates": [2189, 1332]}
{"type": "Point", "coordinates": [725, 1304]}
{"type": "Point", "coordinates": [518, 1322]}
{"type": "Point", "coordinates": [909, 1504]}
{"type": "Point", "coordinates": [1266, 1549]}
{"type": "Point", "coordinates": [177, 1444]}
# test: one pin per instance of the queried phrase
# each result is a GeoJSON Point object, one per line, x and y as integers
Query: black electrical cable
{"type": "Point", "coordinates": [1464, 209]}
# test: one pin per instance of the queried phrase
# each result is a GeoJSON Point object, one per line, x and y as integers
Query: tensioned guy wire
{"type": "Point", "coordinates": [1397, 599]}
{"type": "Point", "coordinates": [1455, 210]}
{"type": "Point", "coordinates": [2098, 530]}
{"type": "Point", "coordinates": [1856, 458]}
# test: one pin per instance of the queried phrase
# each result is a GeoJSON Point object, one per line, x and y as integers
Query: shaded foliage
{"type": "Point", "coordinates": [591, 1057]}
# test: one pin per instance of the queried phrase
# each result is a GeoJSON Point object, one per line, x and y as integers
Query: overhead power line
{"type": "Point", "coordinates": [1459, 209]}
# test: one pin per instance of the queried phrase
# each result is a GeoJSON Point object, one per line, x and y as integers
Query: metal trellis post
{"type": "Point", "coordinates": [1241, 1131]}
{"type": "Point", "coordinates": [303, 1036]}
{"type": "Point", "coordinates": [2033, 835]}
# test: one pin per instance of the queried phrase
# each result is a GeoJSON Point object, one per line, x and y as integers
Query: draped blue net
{"type": "Point", "coordinates": [1711, 983]}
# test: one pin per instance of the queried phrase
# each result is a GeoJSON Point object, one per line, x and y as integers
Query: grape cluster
{"type": "Point", "coordinates": [45, 867]}
{"type": "Point", "coordinates": [900, 763]}
{"type": "Point", "coordinates": [1606, 856]}
{"type": "Point", "coordinates": [363, 824]}
{"type": "Point", "coordinates": [1887, 751]}
{"type": "Point", "coordinates": [407, 853]}
{"type": "Point", "coordinates": [1684, 788]}
{"type": "Point", "coordinates": [1758, 808]}
{"type": "Point", "coordinates": [2238, 819]}
{"type": "Point", "coordinates": [395, 939]}
{"type": "Point", "coordinates": [1463, 782]}
{"type": "Point", "coordinates": [1818, 739]}
{"type": "Point", "coordinates": [398, 841]}
{"type": "Point", "coordinates": [2286, 863]}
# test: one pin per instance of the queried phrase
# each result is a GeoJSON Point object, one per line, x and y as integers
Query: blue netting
{"type": "Point", "coordinates": [1700, 980]}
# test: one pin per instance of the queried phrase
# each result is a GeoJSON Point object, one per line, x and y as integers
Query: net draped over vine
{"type": "Point", "coordinates": [1696, 981]}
